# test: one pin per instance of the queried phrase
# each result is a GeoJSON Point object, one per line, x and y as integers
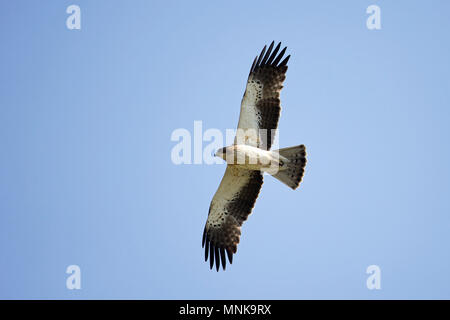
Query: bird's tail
{"type": "Point", "coordinates": [291, 172]}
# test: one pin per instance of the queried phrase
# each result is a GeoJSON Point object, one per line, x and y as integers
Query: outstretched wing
{"type": "Point", "coordinates": [230, 207]}
{"type": "Point", "coordinates": [260, 106]}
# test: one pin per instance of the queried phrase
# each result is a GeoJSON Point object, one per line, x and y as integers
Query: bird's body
{"type": "Point", "coordinates": [250, 156]}
{"type": "Point", "coordinates": [247, 157]}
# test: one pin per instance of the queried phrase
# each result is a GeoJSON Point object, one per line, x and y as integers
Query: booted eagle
{"type": "Point", "coordinates": [250, 156]}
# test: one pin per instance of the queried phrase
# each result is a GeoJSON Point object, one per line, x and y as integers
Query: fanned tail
{"type": "Point", "coordinates": [291, 173]}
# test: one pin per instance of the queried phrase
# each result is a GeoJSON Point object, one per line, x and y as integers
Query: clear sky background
{"type": "Point", "coordinates": [86, 176]}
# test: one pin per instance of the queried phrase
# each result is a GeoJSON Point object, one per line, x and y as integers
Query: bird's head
{"type": "Point", "coordinates": [221, 153]}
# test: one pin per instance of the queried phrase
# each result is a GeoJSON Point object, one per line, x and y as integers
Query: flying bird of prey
{"type": "Point", "coordinates": [250, 156]}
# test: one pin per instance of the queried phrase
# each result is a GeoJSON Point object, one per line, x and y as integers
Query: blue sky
{"type": "Point", "coordinates": [86, 176]}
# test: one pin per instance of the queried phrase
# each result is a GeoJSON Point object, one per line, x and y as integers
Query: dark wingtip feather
{"type": "Point", "coordinates": [222, 257]}
{"type": "Point", "coordinates": [253, 65]}
{"type": "Point", "coordinates": [211, 256]}
{"type": "Point", "coordinates": [230, 256]}
{"type": "Point", "coordinates": [204, 237]}
{"type": "Point", "coordinates": [206, 250]}
{"type": "Point", "coordinates": [275, 62]}
{"type": "Point", "coordinates": [266, 56]}
{"type": "Point", "coordinates": [274, 53]}
{"type": "Point", "coordinates": [260, 56]}
{"type": "Point", "coordinates": [285, 61]}
{"type": "Point", "coordinates": [217, 258]}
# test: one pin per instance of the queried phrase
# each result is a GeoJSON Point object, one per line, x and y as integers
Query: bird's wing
{"type": "Point", "coordinates": [230, 207]}
{"type": "Point", "coordinates": [260, 106]}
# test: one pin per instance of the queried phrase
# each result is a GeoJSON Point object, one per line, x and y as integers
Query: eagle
{"type": "Point", "coordinates": [250, 156]}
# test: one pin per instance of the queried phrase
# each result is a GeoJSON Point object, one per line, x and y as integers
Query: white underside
{"type": "Point", "coordinates": [252, 158]}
